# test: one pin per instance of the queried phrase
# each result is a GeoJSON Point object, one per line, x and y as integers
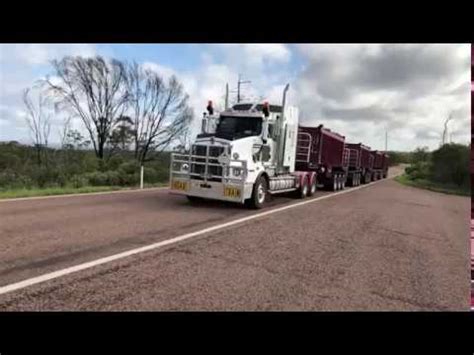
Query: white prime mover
{"type": "Point", "coordinates": [243, 154]}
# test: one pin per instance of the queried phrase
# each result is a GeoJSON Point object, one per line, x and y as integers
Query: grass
{"type": "Point", "coordinates": [432, 186]}
{"type": "Point", "coordinates": [34, 192]}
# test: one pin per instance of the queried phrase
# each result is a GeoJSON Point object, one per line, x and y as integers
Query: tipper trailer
{"type": "Point", "coordinates": [380, 167]}
{"type": "Point", "coordinates": [361, 163]}
{"type": "Point", "coordinates": [252, 150]}
{"type": "Point", "coordinates": [324, 152]}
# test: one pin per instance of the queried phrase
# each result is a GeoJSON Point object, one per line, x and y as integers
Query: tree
{"type": "Point", "coordinates": [420, 154]}
{"type": "Point", "coordinates": [38, 120]}
{"type": "Point", "coordinates": [92, 89]}
{"type": "Point", "coordinates": [184, 141]}
{"type": "Point", "coordinates": [159, 110]}
{"type": "Point", "coordinates": [122, 135]}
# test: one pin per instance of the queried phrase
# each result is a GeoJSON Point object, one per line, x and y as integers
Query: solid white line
{"type": "Point", "coordinates": [82, 194]}
{"type": "Point", "coordinates": [54, 275]}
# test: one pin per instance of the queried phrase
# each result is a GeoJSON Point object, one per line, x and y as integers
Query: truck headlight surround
{"type": "Point", "coordinates": [185, 167]}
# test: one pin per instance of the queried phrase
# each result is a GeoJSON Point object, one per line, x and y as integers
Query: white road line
{"type": "Point", "coordinates": [56, 274]}
{"type": "Point", "coordinates": [82, 194]}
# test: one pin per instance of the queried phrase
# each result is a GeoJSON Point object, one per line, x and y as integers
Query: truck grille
{"type": "Point", "coordinates": [201, 151]}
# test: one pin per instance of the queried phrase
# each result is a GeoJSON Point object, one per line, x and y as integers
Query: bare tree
{"type": "Point", "coordinates": [38, 120]}
{"type": "Point", "coordinates": [445, 131]}
{"type": "Point", "coordinates": [184, 141]}
{"type": "Point", "coordinates": [92, 89]}
{"type": "Point", "coordinates": [159, 110]}
{"type": "Point", "coordinates": [63, 133]}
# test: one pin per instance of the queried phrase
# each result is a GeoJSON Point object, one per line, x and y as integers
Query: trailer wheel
{"type": "Point", "coordinates": [312, 187]}
{"type": "Point", "coordinates": [358, 180]}
{"type": "Point", "coordinates": [334, 183]}
{"type": "Point", "coordinates": [259, 194]}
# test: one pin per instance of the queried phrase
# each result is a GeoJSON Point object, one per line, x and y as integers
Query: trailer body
{"type": "Point", "coordinates": [360, 164]}
{"type": "Point", "coordinates": [320, 150]}
{"type": "Point", "coordinates": [380, 167]}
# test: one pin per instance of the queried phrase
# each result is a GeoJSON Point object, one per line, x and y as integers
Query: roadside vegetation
{"type": "Point", "coordinates": [445, 169]}
{"type": "Point", "coordinates": [129, 117]}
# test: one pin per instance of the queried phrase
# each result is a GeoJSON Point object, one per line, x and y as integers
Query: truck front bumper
{"type": "Point", "coordinates": [211, 190]}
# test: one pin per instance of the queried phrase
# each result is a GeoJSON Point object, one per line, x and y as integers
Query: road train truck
{"type": "Point", "coordinates": [252, 150]}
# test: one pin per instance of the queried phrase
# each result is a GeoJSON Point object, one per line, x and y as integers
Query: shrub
{"type": "Point", "coordinates": [450, 164]}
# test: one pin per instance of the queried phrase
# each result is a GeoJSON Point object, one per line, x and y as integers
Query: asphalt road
{"type": "Point", "coordinates": [384, 247]}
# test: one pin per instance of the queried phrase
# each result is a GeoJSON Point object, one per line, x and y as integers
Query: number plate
{"type": "Point", "coordinates": [179, 185]}
{"type": "Point", "coordinates": [231, 192]}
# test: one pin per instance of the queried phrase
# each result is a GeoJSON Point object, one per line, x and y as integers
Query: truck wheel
{"type": "Point", "coordinates": [312, 187]}
{"type": "Point", "coordinates": [343, 182]}
{"type": "Point", "coordinates": [304, 188]}
{"type": "Point", "coordinates": [195, 200]}
{"type": "Point", "coordinates": [259, 194]}
{"type": "Point", "coordinates": [334, 183]}
{"type": "Point", "coordinates": [358, 179]}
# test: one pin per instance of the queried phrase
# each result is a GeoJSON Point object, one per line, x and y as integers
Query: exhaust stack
{"type": "Point", "coordinates": [281, 134]}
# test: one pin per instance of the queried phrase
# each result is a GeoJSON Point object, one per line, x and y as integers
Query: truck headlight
{"type": "Point", "coordinates": [236, 156]}
{"type": "Point", "coordinates": [236, 171]}
{"type": "Point", "coordinates": [185, 168]}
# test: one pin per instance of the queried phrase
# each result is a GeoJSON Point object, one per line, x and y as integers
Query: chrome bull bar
{"type": "Point", "coordinates": [208, 176]}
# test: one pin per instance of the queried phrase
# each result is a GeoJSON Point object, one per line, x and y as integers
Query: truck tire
{"type": "Point", "coordinates": [195, 200]}
{"type": "Point", "coordinates": [334, 183]}
{"type": "Point", "coordinates": [343, 182]}
{"type": "Point", "coordinates": [312, 187]}
{"type": "Point", "coordinates": [304, 188]}
{"type": "Point", "coordinates": [259, 194]}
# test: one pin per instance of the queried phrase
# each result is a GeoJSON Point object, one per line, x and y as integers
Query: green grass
{"type": "Point", "coordinates": [432, 186]}
{"type": "Point", "coordinates": [17, 193]}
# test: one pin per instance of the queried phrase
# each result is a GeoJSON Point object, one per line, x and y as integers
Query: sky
{"type": "Point", "coordinates": [358, 90]}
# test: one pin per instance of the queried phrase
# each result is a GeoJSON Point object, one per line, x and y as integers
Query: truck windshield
{"type": "Point", "coordinates": [238, 127]}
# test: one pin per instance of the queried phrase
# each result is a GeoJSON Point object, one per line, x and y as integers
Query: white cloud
{"type": "Point", "coordinates": [164, 72]}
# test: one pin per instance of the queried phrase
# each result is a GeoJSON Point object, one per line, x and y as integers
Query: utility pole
{"type": "Point", "coordinates": [239, 83]}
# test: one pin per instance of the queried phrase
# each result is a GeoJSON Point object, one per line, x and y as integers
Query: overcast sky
{"type": "Point", "coordinates": [357, 90]}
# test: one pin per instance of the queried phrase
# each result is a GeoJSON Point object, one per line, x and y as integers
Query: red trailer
{"type": "Point", "coordinates": [380, 167]}
{"type": "Point", "coordinates": [360, 164]}
{"type": "Point", "coordinates": [323, 151]}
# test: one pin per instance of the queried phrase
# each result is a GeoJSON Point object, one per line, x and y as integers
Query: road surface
{"type": "Point", "coordinates": [382, 247]}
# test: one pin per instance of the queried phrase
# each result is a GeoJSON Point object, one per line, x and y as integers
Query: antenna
{"type": "Point", "coordinates": [239, 83]}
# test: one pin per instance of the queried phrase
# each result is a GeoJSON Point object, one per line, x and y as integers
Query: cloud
{"type": "Point", "coordinates": [398, 88]}
{"type": "Point", "coordinates": [21, 65]}
{"type": "Point", "coordinates": [358, 90]}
